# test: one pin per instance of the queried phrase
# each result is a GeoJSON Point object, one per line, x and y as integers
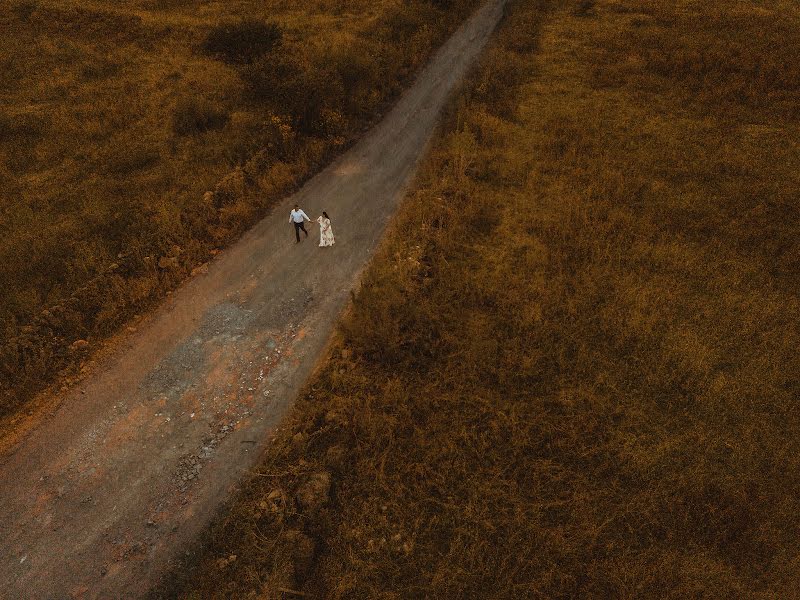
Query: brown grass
{"type": "Point", "coordinates": [572, 370]}
{"type": "Point", "coordinates": [115, 118]}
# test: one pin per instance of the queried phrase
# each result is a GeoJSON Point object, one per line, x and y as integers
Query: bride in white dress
{"type": "Point", "coordinates": [325, 230]}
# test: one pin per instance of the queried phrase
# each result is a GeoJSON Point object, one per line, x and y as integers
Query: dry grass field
{"type": "Point", "coordinates": [572, 371]}
{"type": "Point", "coordinates": [117, 117]}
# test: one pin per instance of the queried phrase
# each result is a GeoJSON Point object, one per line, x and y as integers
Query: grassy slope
{"type": "Point", "coordinates": [113, 124]}
{"type": "Point", "coordinates": [572, 370]}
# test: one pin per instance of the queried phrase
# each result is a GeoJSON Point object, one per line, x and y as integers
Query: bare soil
{"type": "Point", "coordinates": [99, 499]}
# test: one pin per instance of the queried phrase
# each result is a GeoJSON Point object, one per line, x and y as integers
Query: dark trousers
{"type": "Point", "coordinates": [297, 228]}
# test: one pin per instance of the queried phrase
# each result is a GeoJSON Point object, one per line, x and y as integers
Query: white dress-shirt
{"type": "Point", "coordinates": [297, 216]}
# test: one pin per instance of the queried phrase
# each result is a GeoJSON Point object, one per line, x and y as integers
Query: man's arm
{"type": "Point", "coordinates": [290, 217]}
{"type": "Point", "coordinates": [305, 215]}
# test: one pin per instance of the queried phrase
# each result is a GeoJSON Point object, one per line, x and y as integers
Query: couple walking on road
{"type": "Point", "coordinates": [298, 218]}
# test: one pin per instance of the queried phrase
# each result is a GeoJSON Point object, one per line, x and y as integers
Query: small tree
{"type": "Point", "coordinates": [242, 42]}
{"type": "Point", "coordinates": [196, 115]}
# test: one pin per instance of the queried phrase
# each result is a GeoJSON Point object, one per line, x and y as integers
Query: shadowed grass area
{"type": "Point", "coordinates": [116, 118]}
{"type": "Point", "coordinates": [572, 370]}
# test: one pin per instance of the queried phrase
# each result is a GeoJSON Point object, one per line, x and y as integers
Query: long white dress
{"type": "Point", "coordinates": [325, 232]}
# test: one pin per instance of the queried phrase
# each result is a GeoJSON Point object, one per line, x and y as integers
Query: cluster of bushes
{"type": "Point", "coordinates": [242, 42]}
{"type": "Point", "coordinates": [324, 90]}
{"type": "Point", "coordinates": [198, 115]}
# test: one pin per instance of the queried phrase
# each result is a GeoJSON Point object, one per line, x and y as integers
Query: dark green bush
{"type": "Point", "coordinates": [296, 88]}
{"type": "Point", "coordinates": [196, 115]}
{"type": "Point", "coordinates": [25, 9]}
{"type": "Point", "coordinates": [242, 42]}
{"type": "Point", "coordinates": [20, 129]}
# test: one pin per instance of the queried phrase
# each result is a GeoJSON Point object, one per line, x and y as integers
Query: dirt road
{"type": "Point", "coordinates": [100, 499]}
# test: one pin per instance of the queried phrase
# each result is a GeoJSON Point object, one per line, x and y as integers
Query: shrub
{"type": "Point", "coordinates": [296, 88]}
{"type": "Point", "coordinates": [196, 115]}
{"type": "Point", "coordinates": [25, 9]}
{"type": "Point", "coordinates": [21, 134]}
{"type": "Point", "coordinates": [19, 129]}
{"type": "Point", "coordinates": [400, 25]}
{"type": "Point", "coordinates": [360, 75]}
{"type": "Point", "coordinates": [242, 42]}
{"type": "Point", "coordinates": [584, 7]}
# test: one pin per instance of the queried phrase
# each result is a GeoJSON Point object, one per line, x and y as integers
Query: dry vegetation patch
{"type": "Point", "coordinates": [116, 118]}
{"type": "Point", "coordinates": [572, 370]}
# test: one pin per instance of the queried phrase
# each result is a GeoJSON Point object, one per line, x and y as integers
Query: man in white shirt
{"type": "Point", "coordinates": [298, 217]}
